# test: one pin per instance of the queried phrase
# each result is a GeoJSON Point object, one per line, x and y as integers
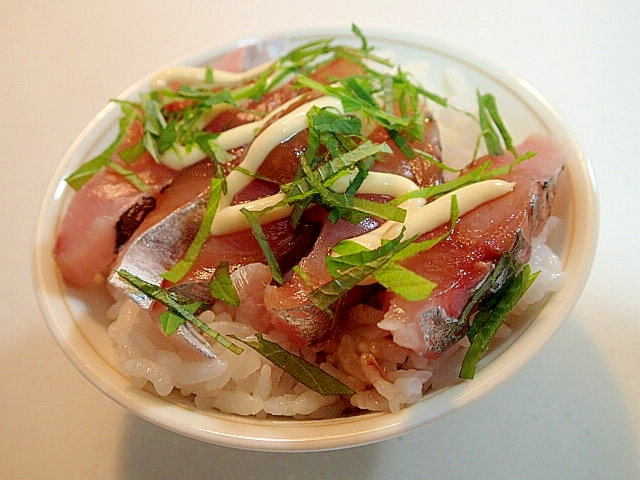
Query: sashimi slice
{"type": "Point", "coordinates": [291, 311]}
{"type": "Point", "coordinates": [289, 307]}
{"type": "Point", "coordinates": [241, 248]}
{"type": "Point", "coordinates": [166, 232]}
{"type": "Point", "coordinates": [86, 242]}
{"type": "Point", "coordinates": [461, 263]}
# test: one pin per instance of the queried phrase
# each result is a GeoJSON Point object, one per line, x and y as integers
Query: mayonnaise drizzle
{"type": "Point", "coordinates": [230, 219]}
{"type": "Point", "coordinates": [429, 216]}
{"type": "Point", "coordinates": [197, 76]}
{"type": "Point", "coordinates": [179, 156]}
{"type": "Point", "coordinates": [277, 132]}
{"type": "Point", "coordinates": [421, 217]}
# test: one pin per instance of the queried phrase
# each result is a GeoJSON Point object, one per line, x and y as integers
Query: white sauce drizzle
{"type": "Point", "coordinates": [277, 132]}
{"type": "Point", "coordinates": [422, 219]}
{"type": "Point", "coordinates": [230, 219]}
{"type": "Point", "coordinates": [179, 156]}
{"type": "Point", "coordinates": [197, 76]}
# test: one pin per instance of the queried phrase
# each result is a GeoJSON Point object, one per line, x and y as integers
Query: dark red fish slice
{"type": "Point", "coordinates": [241, 248]}
{"type": "Point", "coordinates": [290, 310]}
{"type": "Point", "coordinates": [460, 263]}
{"type": "Point", "coordinates": [86, 242]}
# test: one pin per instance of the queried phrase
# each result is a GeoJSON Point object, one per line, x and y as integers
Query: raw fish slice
{"type": "Point", "coordinates": [419, 170]}
{"type": "Point", "coordinates": [290, 310]}
{"type": "Point", "coordinates": [241, 248]}
{"type": "Point", "coordinates": [166, 233]}
{"type": "Point", "coordinates": [86, 243]}
{"type": "Point", "coordinates": [461, 263]}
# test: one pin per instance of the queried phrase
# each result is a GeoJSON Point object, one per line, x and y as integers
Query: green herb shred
{"type": "Point", "coordinates": [305, 372]}
{"type": "Point", "coordinates": [87, 170]}
{"type": "Point", "coordinates": [184, 312]}
{"type": "Point", "coordinates": [180, 269]}
{"type": "Point", "coordinates": [491, 316]}
{"type": "Point", "coordinates": [221, 286]}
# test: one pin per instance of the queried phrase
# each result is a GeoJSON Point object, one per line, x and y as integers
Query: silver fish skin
{"type": "Point", "coordinates": [151, 253]}
{"type": "Point", "coordinates": [154, 250]}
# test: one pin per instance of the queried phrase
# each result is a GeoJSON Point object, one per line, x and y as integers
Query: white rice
{"type": "Point", "coordinates": [544, 260]}
{"type": "Point", "coordinates": [245, 384]}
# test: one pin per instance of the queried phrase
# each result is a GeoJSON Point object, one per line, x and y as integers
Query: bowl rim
{"type": "Point", "coordinates": [310, 435]}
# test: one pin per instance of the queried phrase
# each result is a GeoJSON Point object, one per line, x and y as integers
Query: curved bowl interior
{"type": "Point", "coordinates": [76, 319]}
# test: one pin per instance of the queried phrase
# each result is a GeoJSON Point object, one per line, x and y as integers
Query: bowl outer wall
{"type": "Point", "coordinates": [76, 332]}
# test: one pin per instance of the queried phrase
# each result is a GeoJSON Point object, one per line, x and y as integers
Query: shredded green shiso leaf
{"type": "Point", "coordinates": [181, 268]}
{"type": "Point", "coordinates": [491, 315]}
{"type": "Point", "coordinates": [180, 311]}
{"type": "Point", "coordinates": [221, 286]}
{"type": "Point", "coordinates": [305, 372]}
{"type": "Point", "coordinates": [259, 235]}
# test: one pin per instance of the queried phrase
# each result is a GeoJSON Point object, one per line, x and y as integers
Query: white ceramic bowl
{"type": "Point", "coordinates": [77, 320]}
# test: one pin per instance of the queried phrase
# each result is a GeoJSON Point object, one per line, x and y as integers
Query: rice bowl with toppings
{"type": "Point", "coordinates": [391, 376]}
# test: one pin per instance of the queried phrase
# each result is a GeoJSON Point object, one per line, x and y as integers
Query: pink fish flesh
{"type": "Point", "coordinates": [288, 306]}
{"type": "Point", "coordinates": [87, 239]}
{"type": "Point", "coordinates": [461, 263]}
